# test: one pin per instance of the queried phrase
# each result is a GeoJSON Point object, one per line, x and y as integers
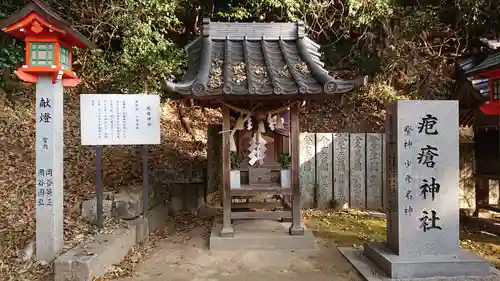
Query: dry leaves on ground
{"type": "Point", "coordinates": [179, 225]}
{"type": "Point", "coordinates": [121, 167]}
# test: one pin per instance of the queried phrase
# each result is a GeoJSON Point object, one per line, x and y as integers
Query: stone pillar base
{"type": "Point", "coordinates": [296, 230]}
{"type": "Point", "coordinates": [398, 267]}
{"type": "Point", "coordinates": [227, 232]}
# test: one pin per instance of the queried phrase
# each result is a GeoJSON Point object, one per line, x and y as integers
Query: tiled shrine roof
{"type": "Point", "coordinates": [472, 68]}
{"type": "Point", "coordinates": [479, 63]}
{"type": "Point", "coordinates": [236, 59]}
{"type": "Point", "coordinates": [468, 67]}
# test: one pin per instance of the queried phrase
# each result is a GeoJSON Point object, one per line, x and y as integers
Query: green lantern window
{"type": "Point", "coordinates": [64, 58]}
{"type": "Point", "coordinates": [42, 54]}
{"type": "Point", "coordinates": [496, 89]}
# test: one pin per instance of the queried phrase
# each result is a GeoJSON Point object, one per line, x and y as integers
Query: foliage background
{"type": "Point", "coordinates": [408, 48]}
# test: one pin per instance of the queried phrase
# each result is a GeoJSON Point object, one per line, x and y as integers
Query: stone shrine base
{"type": "Point", "coordinates": [377, 262]}
{"type": "Point", "coordinates": [261, 235]}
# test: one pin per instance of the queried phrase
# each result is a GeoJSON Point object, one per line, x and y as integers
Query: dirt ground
{"type": "Point", "coordinates": [186, 257]}
{"type": "Point", "coordinates": [182, 253]}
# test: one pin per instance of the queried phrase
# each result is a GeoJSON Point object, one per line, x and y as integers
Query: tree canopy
{"type": "Point", "coordinates": [407, 47]}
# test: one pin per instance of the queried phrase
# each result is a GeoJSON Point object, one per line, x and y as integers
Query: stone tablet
{"type": "Point", "coordinates": [341, 169]}
{"type": "Point", "coordinates": [390, 198]}
{"type": "Point", "coordinates": [307, 169]}
{"type": "Point", "coordinates": [374, 171]}
{"type": "Point", "coordinates": [423, 216]}
{"type": "Point", "coordinates": [358, 171]}
{"type": "Point", "coordinates": [427, 177]}
{"type": "Point", "coordinates": [324, 169]}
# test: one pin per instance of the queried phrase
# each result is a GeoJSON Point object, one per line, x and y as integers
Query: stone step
{"type": "Point", "coordinates": [94, 258]}
{"type": "Point", "coordinates": [262, 235]}
{"type": "Point", "coordinates": [260, 215]}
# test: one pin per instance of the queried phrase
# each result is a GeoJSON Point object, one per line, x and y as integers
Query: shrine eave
{"type": "Point", "coordinates": [473, 68]}
{"type": "Point", "coordinates": [240, 60]}
{"type": "Point", "coordinates": [38, 7]}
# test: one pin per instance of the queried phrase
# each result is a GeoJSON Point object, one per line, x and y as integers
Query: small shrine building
{"type": "Point", "coordinates": [259, 74]}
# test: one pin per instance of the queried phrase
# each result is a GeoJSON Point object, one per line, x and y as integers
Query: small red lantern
{"type": "Point", "coordinates": [49, 41]}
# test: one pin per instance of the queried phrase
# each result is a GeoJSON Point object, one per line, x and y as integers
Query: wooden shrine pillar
{"type": "Point", "coordinates": [227, 229]}
{"type": "Point", "coordinates": [296, 227]}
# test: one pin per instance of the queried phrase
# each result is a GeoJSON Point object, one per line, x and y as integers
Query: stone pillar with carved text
{"type": "Point", "coordinates": [49, 168]}
{"type": "Point", "coordinates": [49, 42]}
{"type": "Point", "coordinates": [374, 169]}
{"type": "Point", "coordinates": [423, 212]}
{"type": "Point", "coordinates": [324, 170]}
{"type": "Point", "coordinates": [307, 169]}
{"type": "Point", "coordinates": [358, 171]}
{"type": "Point", "coordinates": [341, 170]}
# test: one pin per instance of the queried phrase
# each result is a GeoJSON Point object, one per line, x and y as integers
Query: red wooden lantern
{"type": "Point", "coordinates": [49, 41]}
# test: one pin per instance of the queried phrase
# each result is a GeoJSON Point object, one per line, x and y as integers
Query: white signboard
{"type": "Point", "coordinates": [111, 119]}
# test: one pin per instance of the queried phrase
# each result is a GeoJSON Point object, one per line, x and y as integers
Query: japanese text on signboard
{"type": "Point", "coordinates": [120, 119]}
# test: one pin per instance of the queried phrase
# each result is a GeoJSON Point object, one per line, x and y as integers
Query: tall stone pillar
{"type": "Point", "coordinates": [49, 168]}
{"type": "Point", "coordinates": [423, 195]}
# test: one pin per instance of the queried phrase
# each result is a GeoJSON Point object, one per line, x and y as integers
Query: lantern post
{"type": "Point", "coordinates": [48, 63]}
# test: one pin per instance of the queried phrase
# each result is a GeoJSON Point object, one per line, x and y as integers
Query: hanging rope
{"type": "Point", "coordinates": [246, 111]}
{"type": "Point", "coordinates": [235, 108]}
{"type": "Point", "coordinates": [239, 125]}
{"type": "Point", "coordinates": [280, 109]}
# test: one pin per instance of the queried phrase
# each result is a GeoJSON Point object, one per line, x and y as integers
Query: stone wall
{"type": "Point", "coordinates": [327, 163]}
